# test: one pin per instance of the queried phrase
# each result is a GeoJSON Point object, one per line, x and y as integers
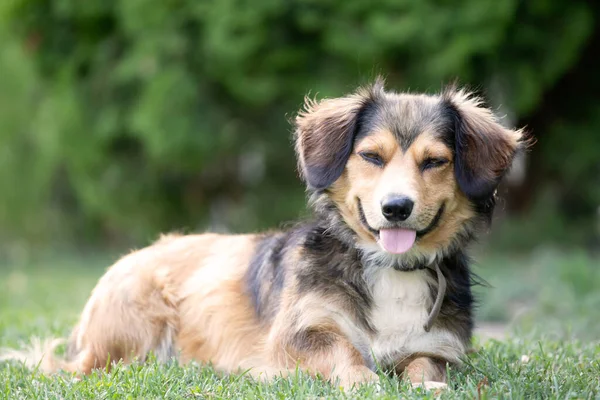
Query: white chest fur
{"type": "Point", "coordinates": [401, 305]}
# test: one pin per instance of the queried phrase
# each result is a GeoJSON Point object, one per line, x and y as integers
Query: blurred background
{"type": "Point", "coordinates": [121, 119]}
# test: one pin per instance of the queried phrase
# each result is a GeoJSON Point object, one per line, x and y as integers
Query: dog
{"type": "Point", "coordinates": [400, 184]}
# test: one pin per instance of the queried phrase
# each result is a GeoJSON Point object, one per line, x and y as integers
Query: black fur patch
{"type": "Point", "coordinates": [483, 152]}
{"type": "Point", "coordinates": [334, 270]}
{"type": "Point", "coordinates": [476, 188]}
{"type": "Point", "coordinates": [335, 150]}
{"type": "Point", "coordinates": [266, 274]}
{"type": "Point", "coordinates": [453, 137]}
{"type": "Point", "coordinates": [456, 314]}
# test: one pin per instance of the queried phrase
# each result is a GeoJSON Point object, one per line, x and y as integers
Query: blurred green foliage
{"type": "Point", "coordinates": [122, 118]}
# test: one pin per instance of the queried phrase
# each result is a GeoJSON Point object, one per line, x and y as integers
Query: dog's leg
{"type": "Point", "coordinates": [340, 362]}
{"type": "Point", "coordinates": [323, 350]}
{"type": "Point", "coordinates": [126, 317]}
{"type": "Point", "coordinates": [426, 372]}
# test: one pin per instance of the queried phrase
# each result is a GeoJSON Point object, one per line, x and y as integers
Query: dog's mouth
{"type": "Point", "coordinates": [398, 240]}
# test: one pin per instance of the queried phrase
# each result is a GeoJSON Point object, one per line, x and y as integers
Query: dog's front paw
{"type": "Point", "coordinates": [436, 387]}
{"type": "Point", "coordinates": [357, 375]}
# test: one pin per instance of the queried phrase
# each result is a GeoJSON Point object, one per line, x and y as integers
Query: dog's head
{"type": "Point", "coordinates": [408, 174]}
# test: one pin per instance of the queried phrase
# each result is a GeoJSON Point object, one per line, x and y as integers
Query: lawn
{"type": "Point", "coordinates": [546, 305]}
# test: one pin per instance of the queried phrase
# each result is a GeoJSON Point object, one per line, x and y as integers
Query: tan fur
{"type": "Point", "coordinates": [423, 369]}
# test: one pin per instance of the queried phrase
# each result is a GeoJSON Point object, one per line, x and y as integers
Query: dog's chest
{"type": "Point", "coordinates": [401, 304]}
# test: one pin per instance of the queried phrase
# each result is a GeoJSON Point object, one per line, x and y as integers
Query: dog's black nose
{"type": "Point", "coordinates": [396, 208]}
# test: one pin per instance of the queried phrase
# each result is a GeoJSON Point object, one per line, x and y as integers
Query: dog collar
{"type": "Point", "coordinates": [437, 305]}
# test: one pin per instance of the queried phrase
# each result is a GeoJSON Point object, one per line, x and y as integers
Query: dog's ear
{"type": "Point", "coordinates": [484, 149]}
{"type": "Point", "coordinates": [325, 132]}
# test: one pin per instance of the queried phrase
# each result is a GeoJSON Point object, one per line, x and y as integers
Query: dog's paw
{"type": "Point", "coordinates": [436, 387]}
{"type": "Point", "coordinates": [356, 376]}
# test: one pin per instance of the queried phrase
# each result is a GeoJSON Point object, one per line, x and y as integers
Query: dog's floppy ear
{"type": "Point", "coordinates": [484, 149]}
{"type": "Point", "coordinates": [325, 132]}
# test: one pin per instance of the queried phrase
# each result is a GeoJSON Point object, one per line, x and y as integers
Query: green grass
{"type": "Point", "coordinates": [548, 300]}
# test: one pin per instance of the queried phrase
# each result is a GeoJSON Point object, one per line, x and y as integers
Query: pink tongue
{"type": "Point", "coordinates": [397, 240]}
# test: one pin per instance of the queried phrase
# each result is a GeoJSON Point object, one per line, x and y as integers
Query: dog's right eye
{"type": "Point", "coordinates": [372, 158]}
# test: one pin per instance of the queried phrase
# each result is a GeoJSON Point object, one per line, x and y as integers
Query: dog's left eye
{"type": "Point", "coordinates": [433, 163]}
{"type": "Point", "coordinates": [373, 158]}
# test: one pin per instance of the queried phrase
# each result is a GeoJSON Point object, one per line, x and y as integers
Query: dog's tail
{"type": "Point", "coordinates": [40, 355]}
